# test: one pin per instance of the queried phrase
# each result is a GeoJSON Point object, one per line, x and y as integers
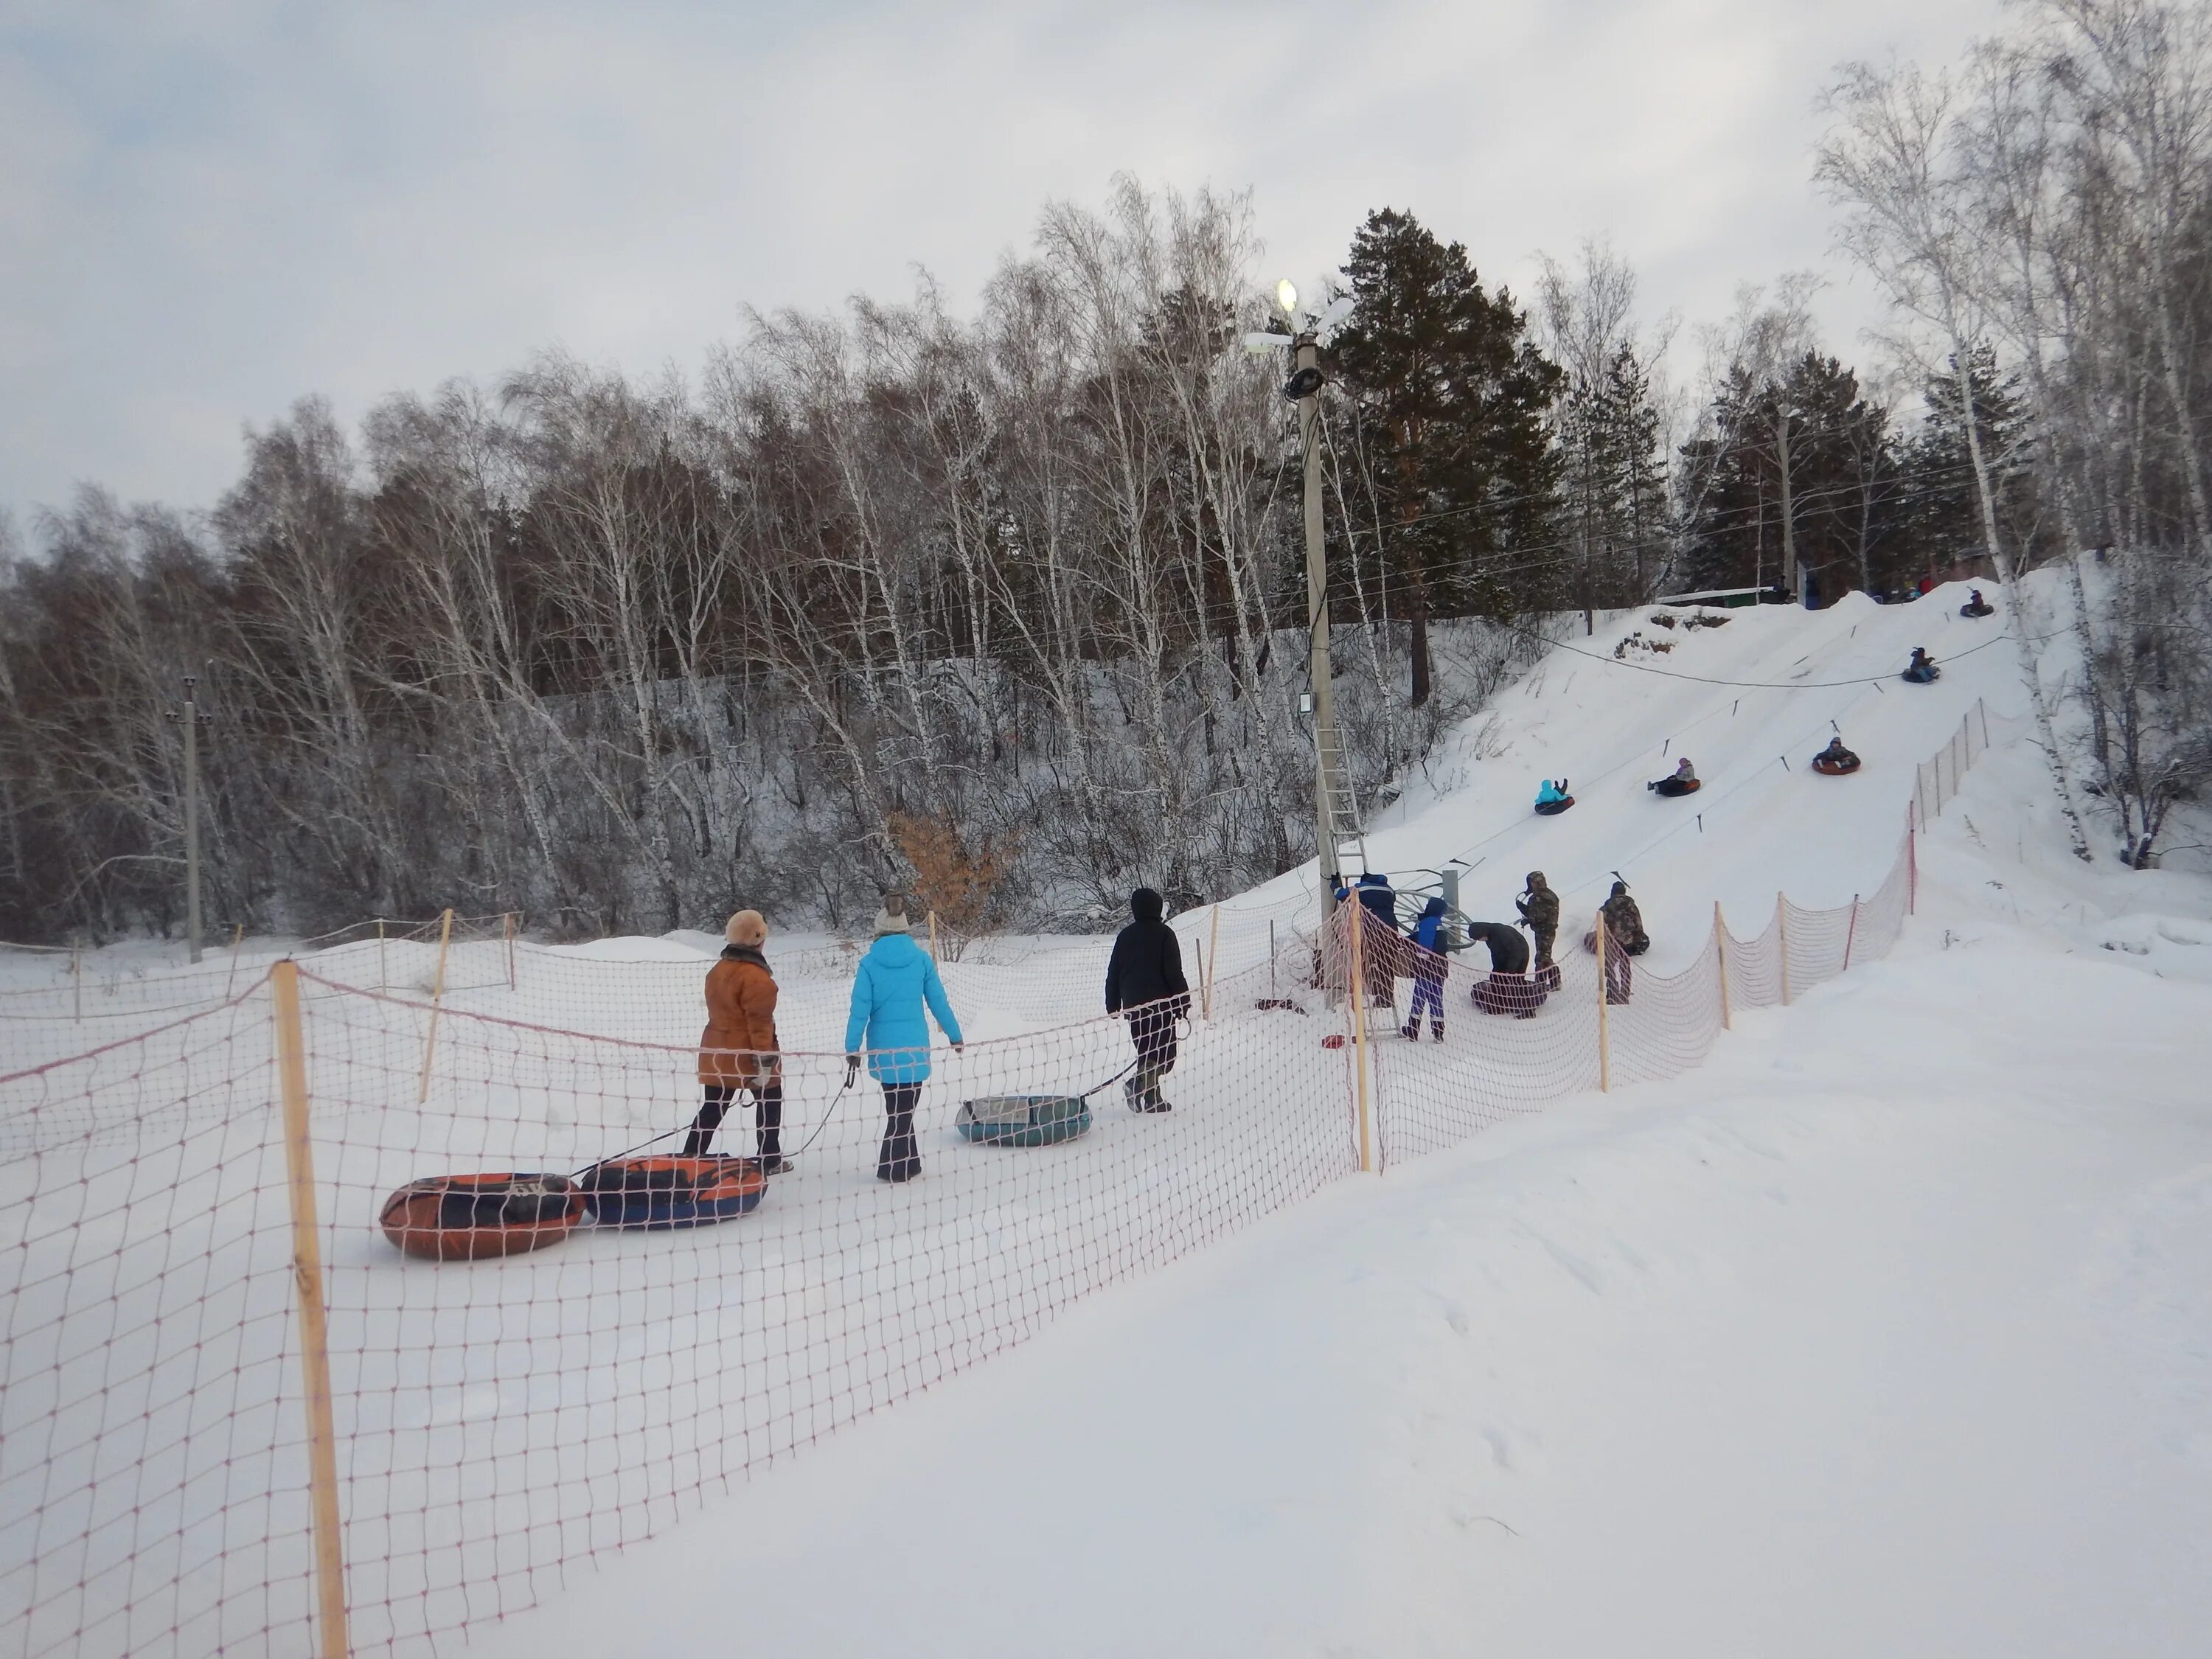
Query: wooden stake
{"type": "Point", "coordinates": [1781, 927]}
{"type": "Point", "coordinates": [237, 938]}
{"type": "Point", "coordinates": [1851, 935]}
{"type": "Point", "coordinates": [437, 998]}
{"type": "Point", "coordinates": [932, 936]}
{"type": "Point", "coordinates": [314, 1335]}
{"type": "Point", "coordinates": [510, 919]}
{"type": "Point", "coordinates": [76, 978]}
{"type": "Point", "coordinates": [382, 981]}
{"type": "Point", "coordinates": [1604, 975]}
{"type": "Point", "coordinates": [1360, 1029]}
{"type": "Point", "coordinates": [1720, 945]}
{"type": "Point", "coordinates": [1212, 956]}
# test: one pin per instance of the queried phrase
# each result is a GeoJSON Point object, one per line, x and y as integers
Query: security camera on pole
{"type": "Point", "coordinates": [1336, 821]}
{"type": "Point", "coordinates": [191, 720]}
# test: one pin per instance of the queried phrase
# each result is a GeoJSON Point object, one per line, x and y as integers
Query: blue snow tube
{"type": "Point", "coordinates": [1023, 1119]}
{"type": "Point", "coordinates": [660, 1193]}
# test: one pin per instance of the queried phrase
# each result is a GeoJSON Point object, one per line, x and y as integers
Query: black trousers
{"type": "Point", "coordinates": [719, 1098]}
{"type": "Point", "coordinates": [1152, 1030]}
{"type": "Point", "coordinates": [898, 1160]}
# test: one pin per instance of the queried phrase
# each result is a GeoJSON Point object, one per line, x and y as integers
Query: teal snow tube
{"type": "Point", "coordinates": [1023, 1120]}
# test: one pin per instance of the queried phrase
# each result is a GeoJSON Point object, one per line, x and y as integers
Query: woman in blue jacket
{"type": "Point", "coordinates": [896, 980]}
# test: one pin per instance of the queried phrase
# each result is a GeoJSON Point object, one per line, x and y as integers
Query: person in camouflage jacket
{"type": "Point", "coordinates": [1624, 926]}
{"type": "Point", "coordinates": [1540, 910]}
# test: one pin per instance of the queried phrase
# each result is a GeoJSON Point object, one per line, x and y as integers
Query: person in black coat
{"type": "Point", "coordinates": [1509, 990]}
{"type": "Point", "coordinates": [1146, 986]}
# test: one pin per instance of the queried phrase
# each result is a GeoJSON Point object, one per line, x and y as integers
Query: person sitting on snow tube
{"type": "Point", "coordinates": [1684, 782]}
{"type": "Point", "coordinates": [1835, 760]}
{"type": "Point", "coordinates": [1976, 605]}
{"type": "Point", "coordinates": [1921, 671]}
{"type": "Point", "coordinates": [1509, 990]}
{"type": "Point", "coordinates": [1553, 798]}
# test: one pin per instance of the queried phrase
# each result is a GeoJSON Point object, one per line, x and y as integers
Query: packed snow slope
{"type": "Point", "coordinates": [1748, 702]}
{"type": "Point", "coordinates": [1889, 1331]}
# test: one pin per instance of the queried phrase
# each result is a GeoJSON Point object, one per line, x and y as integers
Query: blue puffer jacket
{"type": "Point", "coordinates": [897, 979]}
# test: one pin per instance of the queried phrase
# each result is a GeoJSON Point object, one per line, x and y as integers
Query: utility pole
{"type": "Point", "coordinates": [191, 720]}
{"type": "Point", "coordinates": [1791, 584]}
{"type": "Point", "coordinates": [1319, 670]}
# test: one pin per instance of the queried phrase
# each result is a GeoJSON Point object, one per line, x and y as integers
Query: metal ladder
{"type": "Point", "coordinates": [1347, 842]}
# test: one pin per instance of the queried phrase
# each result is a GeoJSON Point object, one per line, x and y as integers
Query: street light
{"type": "Point", "coordinates": [1304, 389]}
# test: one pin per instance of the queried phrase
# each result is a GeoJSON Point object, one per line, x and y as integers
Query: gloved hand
{"type": "Point", "coordinates": [852, 1070]}
{"type": "Point", "coordinates": [959, 1047]}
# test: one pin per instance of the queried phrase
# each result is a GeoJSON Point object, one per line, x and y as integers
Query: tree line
{"type": "Point", "coordinates": [1012, 604]}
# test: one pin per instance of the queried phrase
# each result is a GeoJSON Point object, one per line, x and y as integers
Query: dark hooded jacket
{"type": "Point", "coordinates": [1147, 961]}
{"type": "Point", "coordinates": [1509, 951]}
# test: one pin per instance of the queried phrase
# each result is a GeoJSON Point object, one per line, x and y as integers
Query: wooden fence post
{"type": "Point", "coordinates": [1212, 956]}
{"type": "Point", "coordinates": [437, 1000]}
{"type": "Point", "coordinates": [1782, 928]}
{"type": "Point", "coordinates": [1720, 945]}
{"type": "Point", "coordinates": [76, 976]}
{"type": "Point", "coordinates": [1358, 925]}
{"type": "Point", "coordinates": [510, 919]}
{"type": "Point", "coordinates": [314, 1335]}
{"type": "Point", "coordinates": [932, 936]}
{"type": "Point", "coordinates": [237, 938]}
{"type": "Point", "coordinates": [383, 980]}
{"type": "Point", "coordinates": [1604, 997]}
{"type": "Point", "coordinates": [1851, 935]}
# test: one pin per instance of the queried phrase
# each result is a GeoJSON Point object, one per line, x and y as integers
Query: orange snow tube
{"type": "Point", "coordinates": [467, 1218]}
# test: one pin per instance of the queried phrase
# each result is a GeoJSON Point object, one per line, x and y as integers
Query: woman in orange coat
{"type": "Point", "coordinates": [738, 1049]}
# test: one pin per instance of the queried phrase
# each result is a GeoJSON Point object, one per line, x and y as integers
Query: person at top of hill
{"type": "Point", "coordinates": [1836, 758]}
{"type": "Point", "coordinates": [1921, 671]}
{"type": "Point", "coordinates": [1540, 914]}
{"type": "Point", "coordinates": [896, 982]}
{"type": "Point", "coordinates": [1554, 798]}
{"type": "Point", "coordinates": [1684, 780]}
{"type": "Point", "coordinates": [1145, 984]}
{"type": "Point", "coordinates": [1429, 969]}
{"type": "Point", "coordinates": [1976, 605]}
{"type": "Point", "coordinates": [1508, 990]}
{"type": "Point", "coordinates": [738, 1049]}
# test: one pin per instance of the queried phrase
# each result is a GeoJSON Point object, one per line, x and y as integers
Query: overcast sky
{"type": "Point", "coordinates": [207, 210]}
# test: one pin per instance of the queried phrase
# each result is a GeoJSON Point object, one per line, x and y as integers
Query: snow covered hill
{"type": "Point", "coordinates": [1883, 1332]}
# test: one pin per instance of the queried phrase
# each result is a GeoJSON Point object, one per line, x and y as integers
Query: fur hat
{"type": "Point", "coordinates": [747, 928]}
{"type": "Point", "coordinates": [891, 919]}
{"type": "Point", "coordinates": [1535, 880]}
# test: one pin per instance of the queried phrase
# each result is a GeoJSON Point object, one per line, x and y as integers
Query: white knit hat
{"type": "Point", "coordinates": [891, 919]}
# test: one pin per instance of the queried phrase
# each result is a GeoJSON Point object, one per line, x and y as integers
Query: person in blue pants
{"type": "Point", "coordinates": [896, 980]}
{"type": "Point", "coordinates": [1429, 969]}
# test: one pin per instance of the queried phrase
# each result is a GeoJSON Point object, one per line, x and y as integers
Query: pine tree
{"type": "Point", "coordinates": [1453, 397]}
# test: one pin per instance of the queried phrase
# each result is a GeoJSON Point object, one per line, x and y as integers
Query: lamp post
{"type": "Point", "coordinates": [191, 720]}
{"type": "Point", "coordinates": [1304, 389]}
{"type": "Point", "coordinates": [1307, 382]}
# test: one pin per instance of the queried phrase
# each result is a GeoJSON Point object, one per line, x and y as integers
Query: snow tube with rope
{"type": "Point", "coordinates": [1673, 787]}
{"type": "Point", "coordinates": [1023, 1119]}
{"type": "Point", "coordinates": [1828, 768]}
{"type": "Point", "coordinates": [471, 1217]}
{"type": "Point", "coordinates": [1551, 809]}
{"type": "Point", "coordinates": [659, 1192]}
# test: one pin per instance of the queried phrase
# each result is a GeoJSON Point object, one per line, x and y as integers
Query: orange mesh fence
{"type": "Point", "coordinates": [498, 1423]}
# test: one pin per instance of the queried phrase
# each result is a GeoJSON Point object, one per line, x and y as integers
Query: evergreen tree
{"type": "Point", "coordinates": [1941, 511]}
{"type": "Point", "coordinates": [1452, 396]}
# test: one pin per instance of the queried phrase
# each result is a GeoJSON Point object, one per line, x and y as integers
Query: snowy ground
{"type": "Point", "coordinates": [1884, 1331]}
{"type": "Point", "coordinates": [1889, 1331]}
